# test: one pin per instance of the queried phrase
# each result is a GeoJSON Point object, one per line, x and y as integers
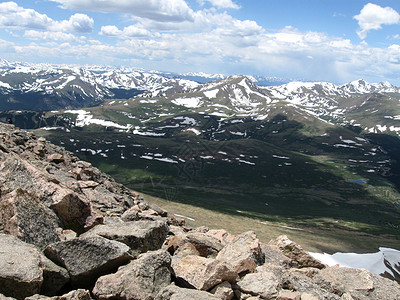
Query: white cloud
{"type": "Point", "coordinates": [79, 23]}
{"type": "Point", "coordinates": [14, 16]}
{"type": "Point", "coordinates": [159, 10]}
{"type": "Point", "coordinates": [373, 16]}
{"type": "Point", "coordinates": [53, 36]}
{"type": "Point", "coordinates": [221, 3]}
{"type": "Point", "coordinates": [127, 32]}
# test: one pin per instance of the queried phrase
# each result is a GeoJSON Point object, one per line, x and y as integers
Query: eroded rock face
{"type": "Point", "coordinates": [243, 253]}
{"type": "Point", "coordinates": [140, 236]}
{"type": "Point", "coordinates": [88, 258]}
{"type": "Point", "coordinates": [141, 279]}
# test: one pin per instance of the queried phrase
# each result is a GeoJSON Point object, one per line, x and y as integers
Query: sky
{"type": "Point", "coordinates": [313, 40]}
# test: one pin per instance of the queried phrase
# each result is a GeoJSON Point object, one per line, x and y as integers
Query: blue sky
{"type": "Point", "coordinates": [316, 40]}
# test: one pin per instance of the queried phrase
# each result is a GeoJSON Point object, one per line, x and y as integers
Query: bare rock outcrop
{"type": "Point", "coordinates": [88, 258]}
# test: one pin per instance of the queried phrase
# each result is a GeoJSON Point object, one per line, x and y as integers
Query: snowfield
{"type": "Point", "coordinates": [386, 260]}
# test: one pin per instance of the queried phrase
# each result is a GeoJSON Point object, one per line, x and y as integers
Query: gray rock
{"type": "Point", "coordinates": [2, 297]}
{"type": "Point", "coordinates": [140, 236]}
{"type": "Point", "coordinates": [223, 291]}
{"type": "Point", "coordinates": [73, 295]}
{"type": "Point", "coordinates": [20, 268]}
{"type": "Point", "coordinates": [357, 283]}
{"type": "Point", "coordinates": [243, 253]}
{"type": "Point", "coordinates": [264, 282]}
{"type": "Point", "coordinates": [273, 255]}
{"type": "Point", "coordinates": [88, 258]}
{"type": "Point", "coordinates": [24, 216]}
{"type": "Point", "coordinates": [296, 253]}
{"type": "Point", "coordinates": [195, 243]}
{"type": "Point", "coordinates": [173, 292]}
{"type": "Point", "coordinates": [202, 273]}
{"type": "Point", "coordinates": [54, 277]}
{"type": "Point", "coordinates": [139, 280]}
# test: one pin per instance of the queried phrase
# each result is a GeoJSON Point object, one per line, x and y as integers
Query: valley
{"type": "Point", "coordinates": [316, 161]}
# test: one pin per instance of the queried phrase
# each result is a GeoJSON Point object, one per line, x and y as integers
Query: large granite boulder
{"type": "Point", "coordinates": [243, 253]}
{"type": "Point", "coordinates": [296, 253]}
{"type": "Point", "coordinates": [140, 236]}
{"type": "Point", "coordinates": [195, 243]}
{"type": "Point", "coordinates": [173, 292]}
{"type": "Point", "coordinates": [24, 271]}
{"type": "Point", "coordinates": [141, 279]}
{"type": "Point", "coordinates": [202, 273]}
{"type": "Point", "coordinates": [88, 258]}
{"type": "Point", "coordinates": [24, 216]}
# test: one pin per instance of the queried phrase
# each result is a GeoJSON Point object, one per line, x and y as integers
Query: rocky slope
{"type": "Point", "coordinates": [70, 232]}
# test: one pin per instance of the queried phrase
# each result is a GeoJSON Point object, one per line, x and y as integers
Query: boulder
{"type": "Point", "coordinates": [195, 243]}
{"type": "Point", "coordinates": [296, 253]}
{"type": "Point", "coordinates": [223, 291]}
{"type": "Point", "coordinates": [24, 271]}
{"type": "Point", "coordinates": [140, 236]}
{"type": "Point", "coordinates": [173, 292]}
{"type": "Point", "coordinates": [74, 210]}
{"type": "Point", "coordinates": [24, 216]}
{"type": "Point", "coordinates": [357, 283]}
{"type": "Point", "coordinates": [88, 258]}
{"type": "Point", "coordinates": [273, 255]}
{"type": "Point", "coordinates": [54, 277]}
{"type": "Point", "coordinates": [264, 282]}
{"type": "Point", "coordinates": [243, 253]}
{"type": "Point", "coordinates": [202, 273]}
{"type": "Point", "coordinates": [140, 279]}
{"type": "Point", "coordinates": [223, 236]}
{"type": "Point", "coordinates": [73, 295]}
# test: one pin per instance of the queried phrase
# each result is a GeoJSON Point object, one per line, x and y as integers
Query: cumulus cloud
{"type": "Point", "coordinates": [373, 16]}
{"type": "Point", "coordinates": [221, 3]}
{"type": "Point", "coordinates": [127, 32]}
{"type": "Point", "coordinates": [159, 10]}
{"type": "Point", "coordinates": [53, 36]}
{"type": "Point", "coordinates": [14, 16]}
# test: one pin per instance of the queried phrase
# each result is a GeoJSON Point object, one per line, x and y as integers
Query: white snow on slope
{"type": "Point", "coordinates": [84, 118]}
{"type": "Point", "coordinates": [187, 102]}
{"type": "Point", "coordinates": [374, 262]}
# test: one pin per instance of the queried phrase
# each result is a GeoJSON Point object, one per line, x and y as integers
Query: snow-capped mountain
{"type": "Point", "coordinates": [372, 107]}
{"type": "Point", "coordinates": [46, 86]}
